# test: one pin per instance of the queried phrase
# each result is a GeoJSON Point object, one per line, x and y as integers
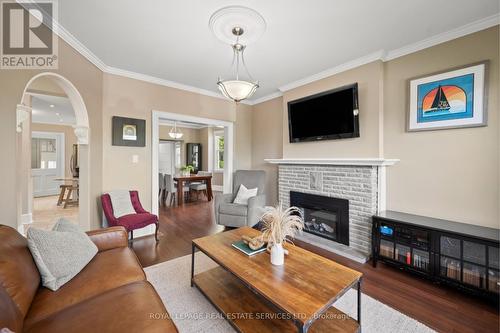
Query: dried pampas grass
{"type": "Point", "coordinates": [280, 225]}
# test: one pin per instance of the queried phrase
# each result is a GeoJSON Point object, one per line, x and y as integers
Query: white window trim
{"type": "Point", "coordinates": [215, 151]}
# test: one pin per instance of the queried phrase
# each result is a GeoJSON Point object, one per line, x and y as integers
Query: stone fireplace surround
{"type": "Point", "coordinates": [361, 181]}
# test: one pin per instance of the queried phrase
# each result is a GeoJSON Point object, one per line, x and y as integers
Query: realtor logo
{"type": "Point", "coordinates": [27, 38]}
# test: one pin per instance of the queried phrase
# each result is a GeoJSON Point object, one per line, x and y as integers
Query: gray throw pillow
{"type": "Point", "coordinates": [60, 254]}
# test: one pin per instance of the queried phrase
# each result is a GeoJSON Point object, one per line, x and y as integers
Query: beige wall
{"type": "Point", "coordinates": [452, 174]}
{"type": "Point", "coordinates": [132, 98]}
{"type": "Point", "coordinates": [267, 135]}
{"type": "Point", "coordinates": [368, 144]}
{"type": "Point", "coordinates": [69, 141]}
{"type": "Point", "coordinates": [88, 80]}
{"type": "Point", "coordinates": [243, 138]}
{"type": "Point", "coordinates": [206, 141]}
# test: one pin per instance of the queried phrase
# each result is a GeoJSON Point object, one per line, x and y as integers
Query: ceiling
{"type": "Point", "coordinates": [54, 110]}
{"type": "Point", "coordinates": [171, 40]}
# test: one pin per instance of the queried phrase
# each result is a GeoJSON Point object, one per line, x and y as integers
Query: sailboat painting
{"type": "Point", "coordinates": [448, 100]}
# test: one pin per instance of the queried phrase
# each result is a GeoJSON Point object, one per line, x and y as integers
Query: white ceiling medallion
{"type": "Point", "coordinates": [237, 26]}
{"type": "Point", "coordinates": [223, 21]}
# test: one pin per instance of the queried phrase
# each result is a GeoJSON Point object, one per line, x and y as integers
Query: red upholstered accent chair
{"type": "Point", "coordinates": [130, 222]}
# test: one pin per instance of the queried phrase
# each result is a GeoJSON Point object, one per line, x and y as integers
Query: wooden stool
{"type": "Point", "coordinates": [62, 193]}
{"type": "Point", "coordinates": [68, 201]}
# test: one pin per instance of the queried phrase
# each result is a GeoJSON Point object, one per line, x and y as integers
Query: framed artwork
{"type": "Point", "coordinates": [129, 132]}
{"type": "Point", "coordinates": [452, 99]}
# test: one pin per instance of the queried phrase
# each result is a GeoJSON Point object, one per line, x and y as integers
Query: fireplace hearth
{"type": "Point", "coordinates": [324, 216]}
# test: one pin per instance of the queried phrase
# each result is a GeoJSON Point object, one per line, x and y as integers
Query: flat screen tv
{"type": "Point", "coordinates": [328, 115]}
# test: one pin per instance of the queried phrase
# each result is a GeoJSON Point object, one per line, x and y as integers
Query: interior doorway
{"type": "Point", "coordinates": [53, 154]}
{"type": "Point", "coordinates": [194, 145]}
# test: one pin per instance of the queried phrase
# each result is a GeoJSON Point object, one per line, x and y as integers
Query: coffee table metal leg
{"type": "Point", "coordinates": [302, 328]}
{"type": "Point", "coordinates": [359, 303]}
{"type": "Point", "coordinates": [192, 264]}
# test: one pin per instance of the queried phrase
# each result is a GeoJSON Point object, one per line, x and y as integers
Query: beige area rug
{"type": "Point", "coordinates": [191, 312]}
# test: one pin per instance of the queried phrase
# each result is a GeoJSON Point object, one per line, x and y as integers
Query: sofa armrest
{"type": "Point", "coordinates": [109, 238]}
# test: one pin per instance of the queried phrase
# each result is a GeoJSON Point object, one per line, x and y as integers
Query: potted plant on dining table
{"type": "Point", "coordinates": [186, 170]}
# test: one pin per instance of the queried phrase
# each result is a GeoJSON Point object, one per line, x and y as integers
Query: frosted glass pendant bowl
{"type": "Point", "coordinates": [237, 26]}
{"type": "Point", "coordinates": [175, 133]}
{"type": "Point", "coordinates": [237, 90]}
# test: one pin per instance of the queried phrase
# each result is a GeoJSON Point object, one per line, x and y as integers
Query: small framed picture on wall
{"type": "Point", "coordinates": [451, 99]}
{"type": "Point", "coordinates": [129, 132]}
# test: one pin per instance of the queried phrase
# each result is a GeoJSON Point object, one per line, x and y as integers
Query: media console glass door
{"type": "Point", "coordinates": [470, 262]}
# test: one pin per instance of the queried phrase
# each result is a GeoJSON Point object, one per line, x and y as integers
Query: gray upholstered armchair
{"type": "Point", "coordinates": [236, 215]}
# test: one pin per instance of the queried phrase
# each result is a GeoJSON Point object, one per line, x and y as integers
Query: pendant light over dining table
{"type": "Point", "coordinates": [237, 26]}
{"type": "Point", "coordinates": [175, 133]}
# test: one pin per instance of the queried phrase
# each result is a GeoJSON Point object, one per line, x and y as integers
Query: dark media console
{"type": "Point", "coordinates": [462, 255]}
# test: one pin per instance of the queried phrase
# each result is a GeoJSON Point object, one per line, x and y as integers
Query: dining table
{"type": "Point", "coordinates": [180, 179]}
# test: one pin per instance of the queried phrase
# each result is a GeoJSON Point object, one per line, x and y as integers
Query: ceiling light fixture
{"type": "Point", "coordinates": [237, 26]}
{"type": "Point", "coordinates": [174, 132]}
{"type": "Point", "coordinates": [52, 105]}
{"type": "Point", "coordinates": [237, 89]}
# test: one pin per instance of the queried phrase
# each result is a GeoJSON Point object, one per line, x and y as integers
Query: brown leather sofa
{"type": "Point", "coordinates": [110, 294]}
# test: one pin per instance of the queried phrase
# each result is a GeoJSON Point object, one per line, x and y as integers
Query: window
{"type": "Point", "coordinates": [43, 153]}
{"type": "Point", "coordinates": [219, 150]}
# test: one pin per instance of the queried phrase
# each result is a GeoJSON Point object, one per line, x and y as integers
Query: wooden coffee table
{"type": "Point", "coordinates": [255, 296]}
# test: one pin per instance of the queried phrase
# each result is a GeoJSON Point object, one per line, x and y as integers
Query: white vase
{"type": "Point", "coordinates": [277, 254]}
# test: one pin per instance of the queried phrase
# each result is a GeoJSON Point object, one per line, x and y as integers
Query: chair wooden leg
{"type": "Point", "coordinates": [156, 230]}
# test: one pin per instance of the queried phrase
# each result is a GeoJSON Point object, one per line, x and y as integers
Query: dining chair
{"type": "Point", "coordinates": [162, 189]}
{"type": "Point", "coordinates": [171, 188]}
{"type": "Point", "coordinates": [200, 186]}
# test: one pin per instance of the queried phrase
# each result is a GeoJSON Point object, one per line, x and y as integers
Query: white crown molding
{"type": "Point", "coordinates": [379, 55]}
{"type": "Point", "coordinates": [335, 161]}
{"type": "Point", "coordinates": [65, 35]}
{"type": "Point", "coordinates": [165, 83]}
{"type": "Point", "coordinates": [267, 98]}
{"type": "Point", "coordinates": [464, 30]}
{"type": "Point", "coordinates": [382, 55]}
{"type": "Point", "coordinates": [78, 46]}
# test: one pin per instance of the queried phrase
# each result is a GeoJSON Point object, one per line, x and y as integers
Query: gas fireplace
{"type": "Point", "coordinates": [324, 216]}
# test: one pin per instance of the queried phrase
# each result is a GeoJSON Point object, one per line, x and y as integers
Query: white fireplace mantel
{"type": "Point", "coordinates": [335, 161]}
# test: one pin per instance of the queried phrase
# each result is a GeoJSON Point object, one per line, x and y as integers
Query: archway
{"type": "Point", "coordinates": [81, 129]}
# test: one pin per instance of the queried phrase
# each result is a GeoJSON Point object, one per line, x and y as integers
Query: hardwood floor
{"type": "Point", "coordinates": [178, 227]}
{"type": "Point", "coordinates": [46, 212]}
{"type": "Point", "coordinates": [439, 307]}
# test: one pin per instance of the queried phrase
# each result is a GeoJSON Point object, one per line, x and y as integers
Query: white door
{"type": "Point", "coordinates": [47, 162]}
{"type": "Point", "coordinates": [166, 157]}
